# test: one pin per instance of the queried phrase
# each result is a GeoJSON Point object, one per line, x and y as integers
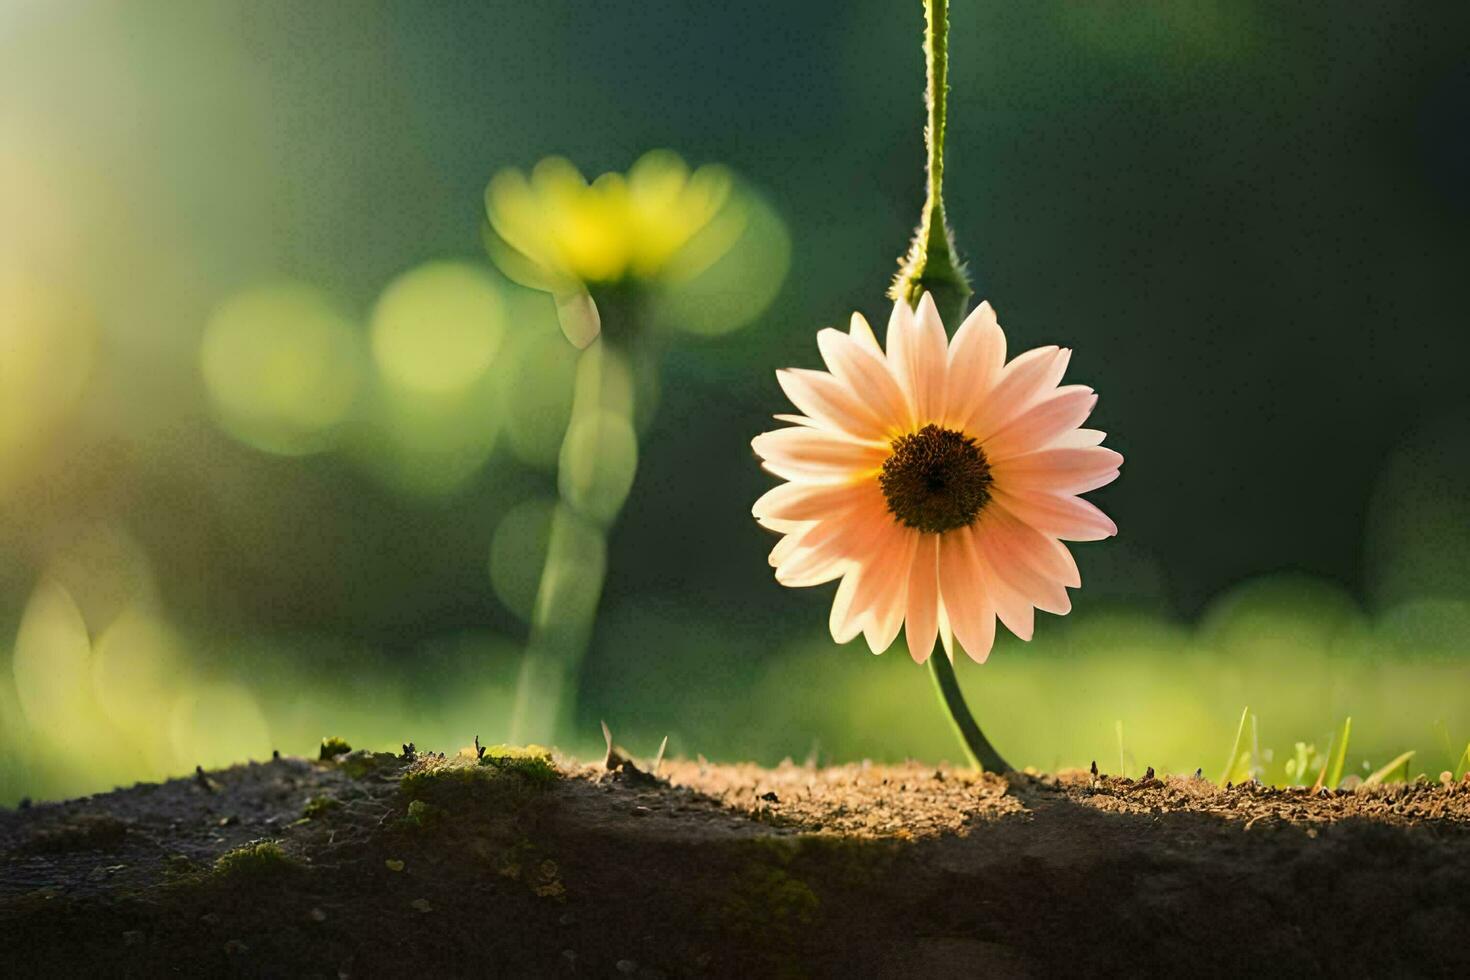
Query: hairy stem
{"type": "Point", "coordinates": [931, 264]}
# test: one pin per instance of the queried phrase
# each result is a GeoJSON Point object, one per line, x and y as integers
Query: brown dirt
{"type": "Point", "coordinates": [734, 870]}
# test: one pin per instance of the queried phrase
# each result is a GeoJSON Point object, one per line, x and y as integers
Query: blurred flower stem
{"type": "Point", "coordinates": [576, 556]}
{"type": "Point", "coordinates": [932, 266]}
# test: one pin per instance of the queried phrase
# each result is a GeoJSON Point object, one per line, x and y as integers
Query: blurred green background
{"type": "Point", "coordinates": [279, 443]}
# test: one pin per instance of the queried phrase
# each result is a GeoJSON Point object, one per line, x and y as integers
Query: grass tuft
{"type": "Point", "coordinates": [257, 859]}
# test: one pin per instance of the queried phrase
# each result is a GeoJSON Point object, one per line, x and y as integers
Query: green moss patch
{"type": "Point", "coordinates": [531, 762]}
{"type": "Point", "coordinates": [255, 860]}
{"type": "Point", "coordinates": [503, 771]}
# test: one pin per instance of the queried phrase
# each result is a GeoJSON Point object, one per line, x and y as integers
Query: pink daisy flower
{"type": "Point", "coordinates": [936, 480]}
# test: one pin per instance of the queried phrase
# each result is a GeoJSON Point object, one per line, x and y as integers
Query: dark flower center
{"type": "Point", "coordinates": [936, 480]}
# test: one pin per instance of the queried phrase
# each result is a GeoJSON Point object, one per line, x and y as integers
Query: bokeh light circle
{"type": "Point", "coordinates": [437, 328]}
{"type": "Point", "coordinates": [281, 364]}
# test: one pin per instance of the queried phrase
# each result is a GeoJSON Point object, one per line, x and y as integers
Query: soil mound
{"type": "Point", "coordinates": [512, 864]}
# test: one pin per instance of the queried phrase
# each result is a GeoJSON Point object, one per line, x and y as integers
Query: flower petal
{"type": "Point", "coordinates": [1042, 423]}
{"type": "Point", "coordinates": [1007, 556]}
{"type": "Point", "coordinates": [888, 612]}
{"type": "Point", "coordinates": [865, 370]}
{"type": "Point", "coordinates": [1011, 606]}
{"type": "Point", "coordinates": [881, 577]}
{"type": "Point", "coordinates": [1022, 382]}
{"type": "Point", "coordinates": [816, 454]}
{"type": "Point", "coordinates": [830, 547]}
{"type": "Point", "coordinates": [844, 623]}
{"type": "Point", "coordinates": [922, 618]}
{"type": "Point", "coordinates": [917, 354]}
{"type": "Point", "coordinates": [859, 330]}
{"type": "Point", "coordinates": [899, 344]}
{"type": "Point", "coordinates": [1066, 517]}
{"type": "Point", "coordinates": [811, 501]}
{"type": "Point", "coordinates": [976, 356]}
{"type": "Point", "coordinates": [830, 401]}
{"type": "Point", "coordinates": [788, 544]}
{"type": "Point", "coordinates": [966, 605]}
{"type": "Point", "coordinates": [1047, 555]}
{"type": "Point", "coordinates": [1059, 471]}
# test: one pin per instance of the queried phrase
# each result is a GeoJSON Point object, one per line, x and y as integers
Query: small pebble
{"type": "Point", "coordinates": [393, 864]}
{"type": "Point", "coordinates": [640, 811]}
{"type": "Point", "coordinates": [317, 915]}
{"type": "Point", "coordinates": [627, 967]}
{"type": "Point", "coordinates": [422, 904]}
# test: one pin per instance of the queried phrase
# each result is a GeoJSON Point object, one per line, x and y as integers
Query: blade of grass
{"type": "Point", "coordinates": [1232, 761]}
{"type": "Point", "coordinates": [1122, 767]}
{"type": "Point", "coordinates": [1445, 742]}
{"type": "Point", "coordinates": [1379, 775]}
{"type": "Point", "coordinates": [1464, 764]}
{"type": "Point", "coordinates": [1334, 778]}
{"type": "Point", "coordinates": [1326, 761]}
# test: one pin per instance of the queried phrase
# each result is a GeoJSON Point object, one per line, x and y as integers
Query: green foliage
{"type": "Point", "coordinates": [332, 747]}
{"type": "Point", "coordinates": [255, 860]}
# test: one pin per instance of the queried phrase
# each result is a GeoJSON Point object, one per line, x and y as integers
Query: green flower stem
{"type": "Point", "coordinates": [931, 264]}
{"type": "Point", "coordinates": [977, 746]}
{"type": "Point", "coordinates": [567, 597]}
{"type": "Point", "coordinates": [576, 561]}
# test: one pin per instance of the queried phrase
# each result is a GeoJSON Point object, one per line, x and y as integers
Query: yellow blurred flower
{"type": "Point", "coordinates": [556, 231]}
